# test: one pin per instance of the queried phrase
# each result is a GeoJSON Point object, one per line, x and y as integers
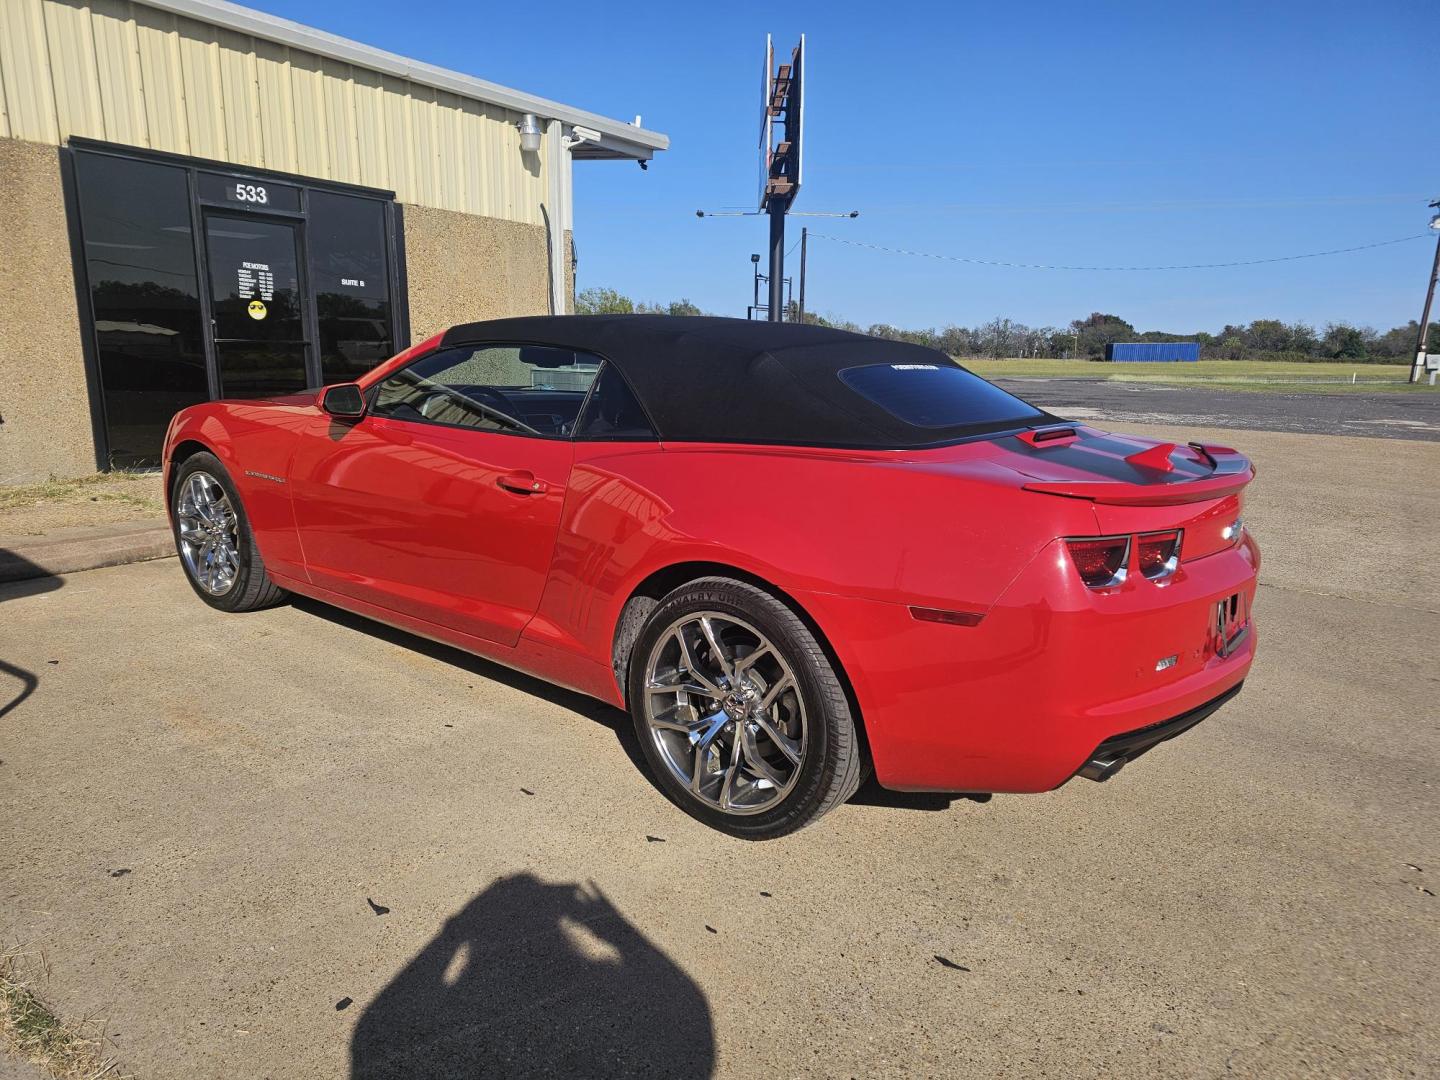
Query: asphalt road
{"type": "Point", "coordinates": [295, 844]}
{"type": "Point", "coordinates": [1379, 414]}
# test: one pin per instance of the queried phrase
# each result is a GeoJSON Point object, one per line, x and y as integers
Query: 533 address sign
{"type": "Point", "coordinates": [252, 194]}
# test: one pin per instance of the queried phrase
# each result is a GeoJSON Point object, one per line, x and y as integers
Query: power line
{"type": "Point", "coordinates": [1042, 266]}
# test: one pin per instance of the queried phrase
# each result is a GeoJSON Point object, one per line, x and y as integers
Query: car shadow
{"type": "Point", "coordinates": [872, 794]}
{"type": "Point", "coordinates": [615, 719]}
{"type": "Point", "coordinates": [618, 721]}
{"type": "Point", "coordinates": [21, 577]}
{"type": "Point", "coordinates": [535, 978]}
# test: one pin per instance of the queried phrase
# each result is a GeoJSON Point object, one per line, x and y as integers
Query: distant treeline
{"type": "Point", "coordinates": [1263, 339]}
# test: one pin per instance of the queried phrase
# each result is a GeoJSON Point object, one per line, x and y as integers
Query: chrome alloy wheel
{"type": "Point", "coordinates": [209, 533]}
{"type": "Point", "coordinates": [724, 709]}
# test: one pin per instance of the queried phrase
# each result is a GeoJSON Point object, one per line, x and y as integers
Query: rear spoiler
{"type": "Point", "coordinates": [1230, 472]}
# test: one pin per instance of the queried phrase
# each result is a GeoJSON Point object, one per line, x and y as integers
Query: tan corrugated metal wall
{"type": "Point", "coordinates": [127, 73]}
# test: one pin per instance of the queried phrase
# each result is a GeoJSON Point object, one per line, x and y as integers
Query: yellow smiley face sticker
{"type": "Point", "coordinates": [257, 310]}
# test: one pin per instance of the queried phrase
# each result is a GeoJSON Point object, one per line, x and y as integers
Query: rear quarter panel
{"type": "Point", "coordinates": [890, 528]}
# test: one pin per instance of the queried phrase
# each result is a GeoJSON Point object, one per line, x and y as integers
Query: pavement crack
{"type": "Point", "coordinates": [1348, 596]}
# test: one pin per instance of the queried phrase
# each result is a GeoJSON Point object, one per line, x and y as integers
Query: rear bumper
{"type": "Point", "coordinates": [1021, 701]}
{"type": "Point", "coordinates": [1119, 750]}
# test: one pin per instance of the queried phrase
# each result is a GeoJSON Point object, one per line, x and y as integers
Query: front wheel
{"type": "Point", "coordinates": [214, 540]}
{"type": "Point", "coordinates": [740, 712]}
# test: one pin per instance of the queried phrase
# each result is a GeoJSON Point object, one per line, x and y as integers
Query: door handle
{"type": "Point", "coordinates": [523, 482]}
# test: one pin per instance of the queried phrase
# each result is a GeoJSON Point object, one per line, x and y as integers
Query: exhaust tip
{"type": "Point", "coordinates": [1101, 769]}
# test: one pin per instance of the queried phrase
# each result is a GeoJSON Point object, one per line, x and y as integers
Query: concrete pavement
{"type": "Point", "coordinates": [295, 844]}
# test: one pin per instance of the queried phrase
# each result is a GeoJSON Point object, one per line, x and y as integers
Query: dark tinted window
{"type": "Point", "coordinates": [936, 396]}
{"type": "Point", "coordinates": [613, 411]}
{"type": "Point", "coordinates": [530, 389]}
{"type": "Point", "coordinates": [350, 275]}
{"type": "Point", "coordinates": [140, 259]}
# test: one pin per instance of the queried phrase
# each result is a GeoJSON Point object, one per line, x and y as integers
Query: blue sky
{"type": "Point", "coordinates": [1066, 133]}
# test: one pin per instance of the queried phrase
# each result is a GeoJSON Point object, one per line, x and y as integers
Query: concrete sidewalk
{"type": "Point", "coordinates": [84, 547]}
{"type": "Point", "coordinates": [64, 526]}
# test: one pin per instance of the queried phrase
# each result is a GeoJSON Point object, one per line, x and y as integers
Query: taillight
{"type": "Point", "coordinates": [1100, 561]}
{"type": "Point", "coordinates": [1158, 554]}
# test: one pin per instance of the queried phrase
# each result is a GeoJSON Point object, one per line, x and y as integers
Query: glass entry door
{"type": "Point", "coordinates": [257, 305]}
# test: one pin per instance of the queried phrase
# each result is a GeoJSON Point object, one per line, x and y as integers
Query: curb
{"type": "Point", "coordinates": [67, 551]}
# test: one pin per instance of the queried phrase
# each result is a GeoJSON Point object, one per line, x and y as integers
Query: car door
{"type": "Point", "coordinates": [442, 502]}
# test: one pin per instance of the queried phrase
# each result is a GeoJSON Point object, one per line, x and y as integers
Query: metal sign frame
{"type": "Point", "coordinates": [767, 84]}
{"type": "Point", "coordinates": [783, 100]}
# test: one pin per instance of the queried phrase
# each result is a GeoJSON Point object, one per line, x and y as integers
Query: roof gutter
{"type": "Point", "coordinates": [618, 140]}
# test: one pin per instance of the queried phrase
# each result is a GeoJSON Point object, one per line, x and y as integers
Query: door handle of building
{"type": "Point", "coordinates": [523, 482]}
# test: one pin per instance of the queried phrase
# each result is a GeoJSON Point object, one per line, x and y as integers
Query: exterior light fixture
{"type": "Point", "coordinates": [1435, 223]}
{"type": "Point", "coordinates": [530, 133]}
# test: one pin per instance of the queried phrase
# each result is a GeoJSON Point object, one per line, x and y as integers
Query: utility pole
{"type": "Point", "coordinates": [804, 238]}
{"type": "Point", "coordinates": [1422, 343]}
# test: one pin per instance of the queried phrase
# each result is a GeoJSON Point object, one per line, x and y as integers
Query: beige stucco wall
{"type": "Point", "coordinates": [44, 401]}
{"type": "Point", "coordinates": [463, 268]}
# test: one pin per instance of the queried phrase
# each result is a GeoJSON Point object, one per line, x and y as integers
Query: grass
{"type": "Point", "coordinates": [72, 1051]}
{"type": "Point", "coordinates": [99, 487]}
{"type": "Point", "coordinates": [1272, 375]}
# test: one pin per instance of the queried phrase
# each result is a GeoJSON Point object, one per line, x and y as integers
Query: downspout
{"type": "Point", "coordinates": [557, 212]}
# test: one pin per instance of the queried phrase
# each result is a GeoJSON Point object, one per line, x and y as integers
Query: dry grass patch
{"type": "Point", "coordinates": [72, 1050]}
{"type": "Point", "coordinates": [100, 499]}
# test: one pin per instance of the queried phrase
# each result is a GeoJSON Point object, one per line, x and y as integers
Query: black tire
{"type": "Point", "coordinates": [251, 588]}
{"type": "Point", "coordinates": [832, 762]}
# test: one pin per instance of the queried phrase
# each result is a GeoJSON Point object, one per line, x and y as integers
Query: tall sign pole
{"type": "Point", "coordinates": [781, 134]}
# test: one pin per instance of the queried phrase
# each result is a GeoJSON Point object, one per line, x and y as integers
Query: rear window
{"type": "Point", "coordinates": [936, 395]}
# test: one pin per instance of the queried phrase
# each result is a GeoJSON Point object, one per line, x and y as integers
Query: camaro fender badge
{"type": "Point", "coordinates": [264, 476]}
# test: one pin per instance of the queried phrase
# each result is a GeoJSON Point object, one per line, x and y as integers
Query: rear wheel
{"type": "Point", "coordinates": [739, 711]}
{"type": "Point", "coordinates": [214, 540]}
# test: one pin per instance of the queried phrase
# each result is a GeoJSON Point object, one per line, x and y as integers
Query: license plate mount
{"type": "Point", "coordinates": [1230, 624]}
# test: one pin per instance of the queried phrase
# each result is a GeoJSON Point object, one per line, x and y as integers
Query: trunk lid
{"type": "Point", "coordinates": [1136, 485]}
{"type": "Point", "coordinates": [1077, 462]}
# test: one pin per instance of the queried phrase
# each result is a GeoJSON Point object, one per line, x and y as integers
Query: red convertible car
{"type": "Point", "coordinates": [793, 554]}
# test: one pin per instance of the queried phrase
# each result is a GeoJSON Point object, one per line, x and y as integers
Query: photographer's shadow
{"type": "Point", "coordinates": [532, 978]}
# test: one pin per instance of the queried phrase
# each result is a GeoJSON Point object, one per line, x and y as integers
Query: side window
{"type": "Point", "coordinates": [613, 411]}
{"type": "Point", "coordinates": [530, 389]}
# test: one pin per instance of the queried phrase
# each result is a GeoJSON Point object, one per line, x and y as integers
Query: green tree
{"type": "Point", "coordinates": [1345, 342]}
{"type": "Point", "coordinates": [1100, 330]}
{"type": "Point", "coordinates": [603, 301]}
{"type": "Point", "coordinates": [1268, 335]}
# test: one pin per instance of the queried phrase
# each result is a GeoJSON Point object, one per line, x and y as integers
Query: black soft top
{"type": "Point", "coordinates": [706, 379]}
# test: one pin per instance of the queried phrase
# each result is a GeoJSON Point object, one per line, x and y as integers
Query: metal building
{"type": "Point", "coordinates": [1153, 351]}
{"type": "Point", "coordinates": [202, 200]}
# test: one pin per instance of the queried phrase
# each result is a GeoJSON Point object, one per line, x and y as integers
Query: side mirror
{"type": "Point", "coordinates": [344, 401]}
